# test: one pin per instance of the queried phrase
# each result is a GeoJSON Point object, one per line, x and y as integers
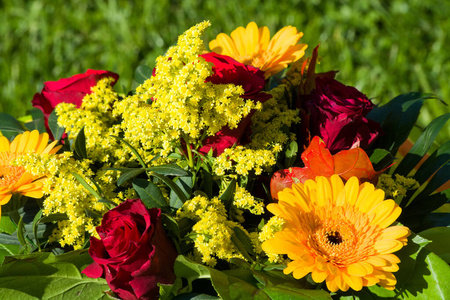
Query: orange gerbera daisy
{"type": "Point", "coordinates": [15, 179]}
{"type": "Point", "coordinates": [338, 233]}
{"type": "Point", "coordinates": [253, 46]}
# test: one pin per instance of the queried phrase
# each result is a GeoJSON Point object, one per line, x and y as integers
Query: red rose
{"type": "Point", "coordinates": [68, 90]}
{"type": "Point", "coordinates": [227, 70]}
{"type": "Point", "coordinates": [133, 254]}
{"type": "Point", "coordinates": [337, 115]}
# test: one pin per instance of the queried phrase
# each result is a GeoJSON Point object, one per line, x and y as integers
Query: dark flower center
{"type": "Point", "coordinates": [334, 237]}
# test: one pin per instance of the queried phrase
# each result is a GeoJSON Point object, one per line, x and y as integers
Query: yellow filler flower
{"type": "Point", "coordinates": [15, 179]}
{"type": "Point", "coordinates": [338, 233]}
{"type": "Point", "coordinates": [253, 46]}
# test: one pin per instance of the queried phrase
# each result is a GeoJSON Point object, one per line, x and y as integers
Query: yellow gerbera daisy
{"type": "Point", "coordinates": [15, 179]}
{"type": "Point", "coordinates": [338, 233]}
{"type": "Point", "coordinates": [253, 46]}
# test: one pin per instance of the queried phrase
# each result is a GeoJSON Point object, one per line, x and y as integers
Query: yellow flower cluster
{"type": "Point", "coordinates": [67, 196]}
{"type": "Point", "coordinates": [212, 231]}
{"type": "Point", "coordinates": [95, 115]}
{"type": "Point", "coordinates": [269, 125]}
{"type": "Point", "coordinates": [273, 225]}
{"type": "Point", "coordinates": [244, 200]}
{"type": "Point", "coordinates": [398, 187]}
{"type": "Point", "coordinates": [241, 161]}
{"type": "Point", "coordinates": [183, 104]}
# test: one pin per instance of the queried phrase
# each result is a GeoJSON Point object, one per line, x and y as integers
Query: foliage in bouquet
{"type": "Point", "coordinates": [223, 175]}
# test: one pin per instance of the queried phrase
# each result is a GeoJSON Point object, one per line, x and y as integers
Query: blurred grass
{"type": "Point", "coordinates": [384, 48]}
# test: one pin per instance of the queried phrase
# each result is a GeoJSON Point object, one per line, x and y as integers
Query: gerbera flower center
{"type": "Point", "coordinates": [334, 239]}
{"type": "Point", "coordinates": [9, 174]}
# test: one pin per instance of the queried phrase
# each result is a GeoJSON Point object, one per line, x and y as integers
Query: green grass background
{"type": "Point", "coordinates": [384, 48]}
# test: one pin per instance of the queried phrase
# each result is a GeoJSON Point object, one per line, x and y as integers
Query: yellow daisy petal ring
{"type": "Point", "coordinates": [339, 233]}
{"type": "Point", "coordinates": [15, 179]}
{"type": "Point", "coordinates": [253, 46]}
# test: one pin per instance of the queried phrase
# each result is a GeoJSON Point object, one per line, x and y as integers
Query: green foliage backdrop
{"type": "Point", "coordinates": [384, 48]}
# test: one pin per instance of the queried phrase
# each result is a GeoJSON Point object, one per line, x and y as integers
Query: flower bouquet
{"type": "Point", "coordinates": [238, 172]}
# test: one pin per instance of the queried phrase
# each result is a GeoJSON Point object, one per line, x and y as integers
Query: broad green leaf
{"type": "Point", "coordinates": [228, 195]}
{"type": "Point", "coordinates": [169, 170]}
{"type": "Point", "coordinates": [206, 185]}
{"type": "Point", "coordinates": [8, 250]}
{"type": "Point", "coordinates": [9, 126]}
{"type": "Point", "coordinates": [422, 145]}
{"type": "Point", "coordinates": [177, 190]}
{"type": "Point", "coordinates": [436, 160]}
{"type": "Point", "coordinates": [439, 178]}
{"type": "Point", "coordinates": [422, 275]}
{"type": "Point", "coordinates": [420, 207]}
{"type": "Point", "coordinates": [142, 73]}
{"type": "Point", "coordinates": [241, 240]}
{"type": "Point", "coordinates": [37, 124]}
{"type": "Point", "coordinates": [397, 118]}
{"type": "Point", "coordinates": [381, 159]}
{"type": "Point", "coordinates": [185, 184]}
{"type": "Point", "coordinates": [149, 193]}
{"type": "Point", "coordinates": [129, 175]}
{"type": "Point", "coordinates": [56, 130]}
{"type": "Point", "coordinates": [190, 270]}
{"type": "Point", "coordinates": [6, 225]}
{"type": "Point", "coordinates": [42, 275]}
{"type": "Point", "coordinates": [439, 237]}
{"type": "Point", "coordinates": [80, 144]}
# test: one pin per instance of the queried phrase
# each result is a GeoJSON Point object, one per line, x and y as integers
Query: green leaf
{"type": "Point", "coordinates": [228, 195]}
{"type": "Point", "coordinates": [80, 144]}
{"type": "Point", "coordinates": [206, 185]}
{"type": "Point", "coordinates": [185, 184]}
{"type": "Point", "coordinates": [54, 218]}
{"type": "Point", "coordinates": [422, 145]}
{"type": "Point", "coordinates": [6, 225]}
{"type": "Point", "coordinates": [242, 241]}
{"type": "Point", "coordinates": [86, 185]}
{"type": "Point", "coordinates": [422, 275]}
{"type": "Point", "coordinates": [37, 124]}
{"type": "Point", "coordinates": [291, 154]}
{"type": "Point", "coordinates": [436, 160]}
{"type": "Point", "coordinates": [9, 126]}
{"type": "Point", "coordinates": [380, 159]}
{"type": "Point", "coordinates": [129, 175]}
{"type": "Point", "coordinates": [149, 193]}
{"type": "Point", "coordinates": [169, 170]}
{"type": "Point", "coordinates": [177, 190]}
{"type": "Point", "coordinates": [42, 275]}
{"type": "Point", "coordinates": [56, 130]}
{"type": "Point", "coordinates": [439, 237]}
{"type": "Point", "coordinates": [20, 232]}
{"type": "Point", "coordinates": [397, 118]}
{"type": "Point", "coordinates": [8, 250]}
{"type": "Point", "coordinates": [139, 158]}
{"type": "Point", "coordinates": [142, 73]}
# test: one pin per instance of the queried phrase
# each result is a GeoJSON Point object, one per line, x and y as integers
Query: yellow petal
{"type": "Point", "coordinates": [351, 190]}
{"type": "Point", "coordinates": [356, 269]}
{"type": "Point", "coordinates": [386, 213]}
{"type": "Point", "coordinates": [318, 276]}
{"type": "Point", "coordinates": [4, 144]}
{"type": "Point", "coordinates": [32, 141]}
{"type": "Point", "coordinates": [387, 246]}
{"type": "Point", "coordinates": [353, 281]}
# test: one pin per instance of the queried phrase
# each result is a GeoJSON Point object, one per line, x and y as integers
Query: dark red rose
{"type": "Point", "coordinates": [133, 254]}
{"type": "Point", "coordinates": [337, 115]}
{"type": "Point", "coordinates": [227, 70]}
{"type": "Point", "coordinates": [68, 90]}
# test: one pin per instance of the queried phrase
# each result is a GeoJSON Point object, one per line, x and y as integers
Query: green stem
{"type": "Point", "coordinates": [189, 151]}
